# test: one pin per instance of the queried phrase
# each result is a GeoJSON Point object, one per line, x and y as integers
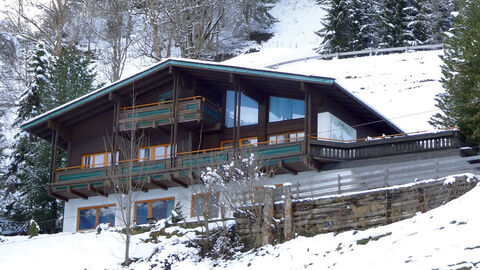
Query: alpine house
{"type": "Point", "coordinates": [195, 114]}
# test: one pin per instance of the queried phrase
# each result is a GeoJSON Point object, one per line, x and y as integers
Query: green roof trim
{"type": "Point", "coordinates": [179, 63]}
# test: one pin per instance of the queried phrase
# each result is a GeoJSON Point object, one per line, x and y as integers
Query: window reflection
{"type": "Point", "coordinates": [248, 110]}
{"type": "Point", "coordinates": [281, 109]}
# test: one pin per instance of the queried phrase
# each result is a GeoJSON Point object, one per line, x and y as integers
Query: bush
{"type": "Point", "coordinates": [33, 228]}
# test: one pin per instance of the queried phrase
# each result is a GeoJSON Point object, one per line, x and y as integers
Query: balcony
{"type": "Point", "coordinates": [190, 111]}
{"type": "Point", "coordinates": [287, 157]}
{"type": "Point", "coordinates": [78, 182]}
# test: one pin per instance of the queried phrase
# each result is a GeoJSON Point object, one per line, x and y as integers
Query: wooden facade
{"type": "Point", "coordinates": [183, 104]}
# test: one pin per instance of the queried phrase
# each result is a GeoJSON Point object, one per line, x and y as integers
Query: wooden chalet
{"type": "Point", "coordinates": [206, 110]}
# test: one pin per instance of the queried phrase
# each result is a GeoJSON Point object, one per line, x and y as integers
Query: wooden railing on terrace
{"type": "Point", "coordinates": [386, 146]}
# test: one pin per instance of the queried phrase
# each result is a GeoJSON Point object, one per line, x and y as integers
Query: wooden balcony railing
{"type": "Point", "coordinates": [283, 155]}
{"type": "Point", "coordinates": [152, 115]}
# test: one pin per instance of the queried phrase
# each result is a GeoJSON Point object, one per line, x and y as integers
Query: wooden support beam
{"type": "Point", "coordinates": [312, 164]}
{"type": "Point", "coordinates": [79, 194]}
{"type": "Point", "coordinates": [117, 99]}
{"type": "Point", "coordinates": [58, 196]}
{"type": "Point", "coordinates": [96, 190]}
{"type": "Point", "coordinates": [157, 183]}
{"type": "Point", "coordinates": [287, 168]}
{"type": "Point", "coordinates": [54, 125]}
{"type": "Point", "coordinates": [178, 181]}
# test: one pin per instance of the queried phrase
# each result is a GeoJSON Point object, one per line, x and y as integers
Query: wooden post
{"type": "Point", "coordinates": [234, 128]}
{"type": "Point", "coordinates": [339, 178]}
{"type": "Point", "coordinates": [239, 107]}
{"type": "Point", "coordinates": [385, 178]}
{"type": "Point", "coordinates": [288, 218]}
{"type": "Point", "coordinates": [173, 132]}
{"type": "Point", "coordinates": [53, 155]}
{"type": "Point", "coordinates": [267, 216]}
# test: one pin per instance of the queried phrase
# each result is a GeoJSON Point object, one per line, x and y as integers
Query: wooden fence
{"type": "Point", "coordinates": [385, 175]}
{"type": "Point", "coordinates": [362, 199]}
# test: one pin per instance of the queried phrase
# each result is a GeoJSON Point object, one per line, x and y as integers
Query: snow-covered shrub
{"type": "Point", "coordinates": [33, 228]}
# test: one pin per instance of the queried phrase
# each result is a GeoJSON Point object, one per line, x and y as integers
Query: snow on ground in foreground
{"type": "Point", "coordinates": [401, 86]}
{"type": "Point", "coordinates": [444, 238]}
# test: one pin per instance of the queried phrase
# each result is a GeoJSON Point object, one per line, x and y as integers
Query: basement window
{"type": "Point", "coordinates": [89, 217]}
{"type": "Point", "coordinates": [198, 205]}
{"type": "Point", "coordinates": [153, 209]}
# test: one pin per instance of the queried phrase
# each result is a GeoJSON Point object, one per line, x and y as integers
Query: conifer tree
{"type": "Point", "coordinates": [28, 177]}
{"type": "Point", "coordinates": [460, 103]}
{"type": "Point", "coordinates": [415, 30]}
{"type": "Point", "coordinates": [391, 23]}
{"type": "Point", "coordinates": [364, 26]}
{"type": "Point", "coordinates": [337, 28]}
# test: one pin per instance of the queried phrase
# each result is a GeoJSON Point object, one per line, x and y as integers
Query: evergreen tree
{"type": "Point", "coordinates": [460, 104]}
{"type": "Point", "coordinates": [363, 24]}
{"type": "Point", "coordinates": [337, 28]}
{"type": "Point", "coordinates": [415, 25]}
{"type": "Point", "coordinates": [28, 177]}
{"type": "Point", "coordinates": [391, 23]}
{"type": "Point", "coordinates": [439, 19]}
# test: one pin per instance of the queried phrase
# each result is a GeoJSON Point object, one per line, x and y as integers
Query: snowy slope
{"type": "Point", "coordinates": [444, 238]}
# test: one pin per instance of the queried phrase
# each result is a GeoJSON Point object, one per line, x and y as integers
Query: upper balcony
{"type": "Point", "coordinates": [190, 110]}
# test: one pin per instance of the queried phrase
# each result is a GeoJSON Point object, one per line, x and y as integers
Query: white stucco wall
{"type": "Point", "coordinates": [182, 195]}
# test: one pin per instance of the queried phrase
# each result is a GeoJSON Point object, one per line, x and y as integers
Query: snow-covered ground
{"type": "Point", "coordinates": [444, 238]}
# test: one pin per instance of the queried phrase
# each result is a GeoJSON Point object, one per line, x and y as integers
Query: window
{"type": "Point", "coordinates": [97, 160]}
{"type": "Point", "coordinates": [89, 217]}
{"type": "Point", "coordinates": [168, 95]}
{"type": "Point", "coordinates": [281, 109]}
{"type": "Point", "coordinates": [251, 141]}
{"type": "Point", "coordinates": [286, 137]}
{"type": "Point", "coordinates": [154, 152]}
{"type": "Point", "coordinates": [158, 209]}
{"type": "Point", "coordinates": [248, 110]}
{"type": "Point", "coordinates": [198, 205]}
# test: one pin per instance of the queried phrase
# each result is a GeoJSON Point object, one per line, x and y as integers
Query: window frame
{"type": "Point", "coordinates": [269, 120]}
{"type": "Point", "coordinates": [206, 196]}
{"type": "Point", "coordinates": [149, 206]}
{"type": "Point", "coordinates": [222, 143]}
{"type": "Point", "coordinates": [152, 155]}
{"type": "Point", "coordinates": [286, 137]}
{"type": "Point", "coordinates": [97, 215]}
{"type": "Point", "coordinates": [106, 160]}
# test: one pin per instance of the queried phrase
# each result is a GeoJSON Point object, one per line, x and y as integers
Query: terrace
{"type": "Point", "coordinates": [285, 156]}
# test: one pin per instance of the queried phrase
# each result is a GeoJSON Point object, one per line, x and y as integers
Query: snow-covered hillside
{"type": "Point", "coordinates": [401, 86]}
{"type": "Point", "coordinates": [444, 238]}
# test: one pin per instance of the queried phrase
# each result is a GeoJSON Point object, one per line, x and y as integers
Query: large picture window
{"type": "Point", "coordinates": [248, 110]}
{"type": "Point", "coordinates": [90, 217]}
{"type": "Point", "coordinates": [157, 209]}
{"type": "Point", "coordinates": [198, 205]}
{"type": "Point", "coordinates": [281, 109]}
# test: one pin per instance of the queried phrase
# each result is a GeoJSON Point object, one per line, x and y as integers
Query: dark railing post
{"type": "Point", "coordinates": [339, 179]}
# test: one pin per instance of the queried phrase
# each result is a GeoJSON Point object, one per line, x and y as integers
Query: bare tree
{"type": "Point", "coordinates": [127, 177]}
{"type": "Point", "coordinates": [117, 25]}
{"type": "Point", "coordinates": [239, 185]}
